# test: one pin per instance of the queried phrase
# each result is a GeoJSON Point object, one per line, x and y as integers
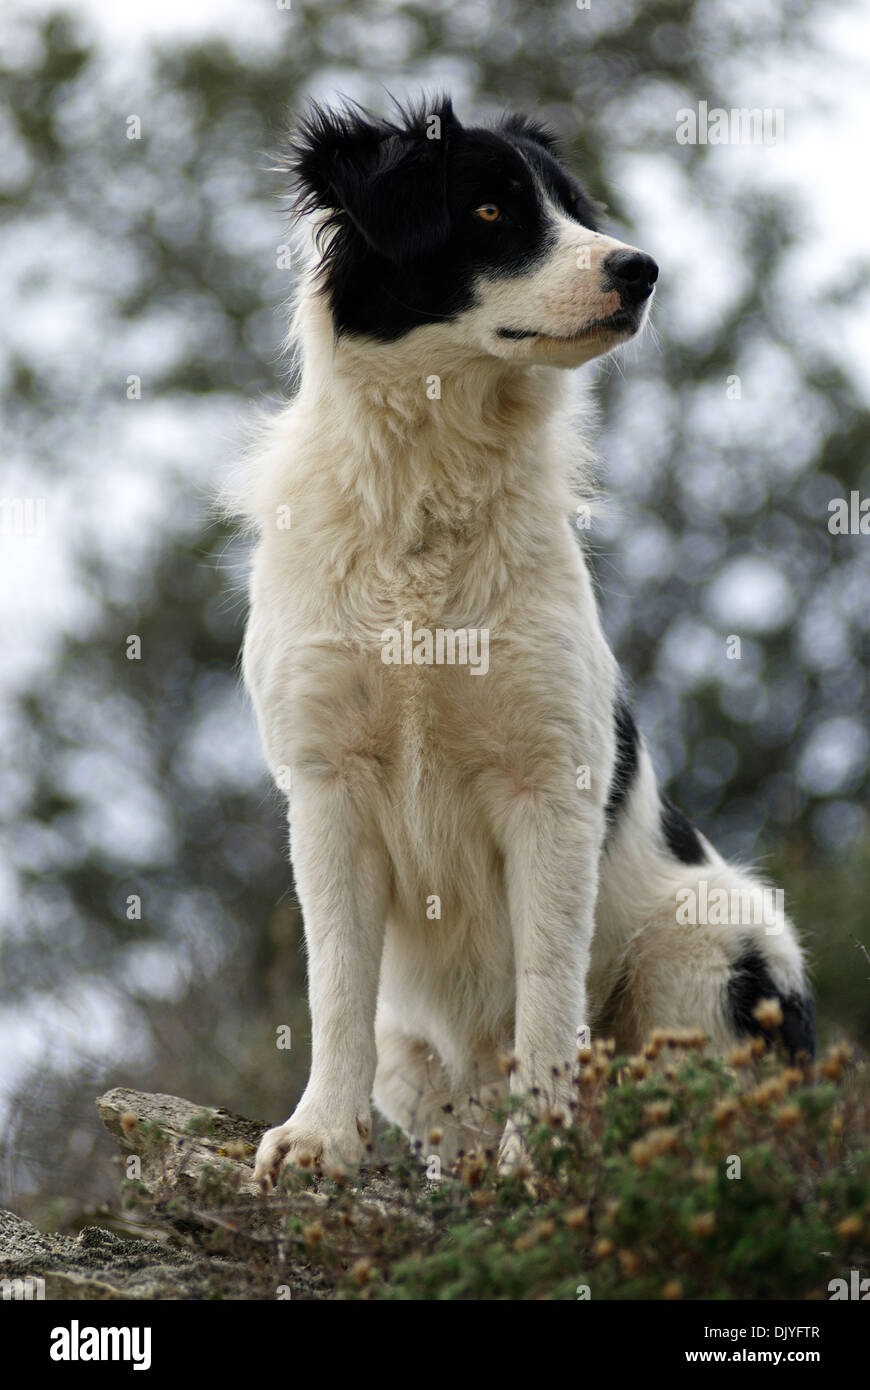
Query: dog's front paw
{"type": "Point", "coordinates": [307, 1143]}
{"type": "Point", "coordinates": [514, 1159]}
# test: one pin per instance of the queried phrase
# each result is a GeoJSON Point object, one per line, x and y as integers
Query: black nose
{"type": "Point", "coordinates": [632, 273]}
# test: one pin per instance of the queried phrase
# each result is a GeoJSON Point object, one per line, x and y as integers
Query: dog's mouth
{"type": "Point", "coordinates": [620, 322]}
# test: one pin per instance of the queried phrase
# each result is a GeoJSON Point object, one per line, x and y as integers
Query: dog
{"type": "Point", "coordinates": [484, 862]}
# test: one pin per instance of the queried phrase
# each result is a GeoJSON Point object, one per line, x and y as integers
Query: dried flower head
{"type": "Point", "coordinates": [704, 1174]}
{"type": "Point", "coordinates": [576, 1218]}
{"type": "Point", "coordinates": [850, 1227]}
{"type": "Point", "coordinates": [703, 1223]}
{"type": "Point", "coordinates": [658, 1141]}
{"type": "Point", "coordinates": [786, 1117]}
{"type": "Point", "coordinates": [724, 1111]}
{"type": "Point", "coordinates": [657, 1112]}
{"type": "Point", "coordinates": [768, 1012]}
{"type": "Point", "coordinates": [740, 1056]}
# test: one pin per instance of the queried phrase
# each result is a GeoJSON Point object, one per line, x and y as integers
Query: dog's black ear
{"type": "Point", "coordinates": [527, 128]}
{"type": "Point", "coordinates": [383, 178]}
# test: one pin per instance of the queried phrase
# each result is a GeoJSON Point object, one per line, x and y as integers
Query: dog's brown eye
{"type": "Point", "coordinates": [488, 212]}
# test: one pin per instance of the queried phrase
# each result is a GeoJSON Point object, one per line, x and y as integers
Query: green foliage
{"type": "Point", "coordinates": [680, 1176]}
{"type": "Point", "coordinates": [200, 1124]}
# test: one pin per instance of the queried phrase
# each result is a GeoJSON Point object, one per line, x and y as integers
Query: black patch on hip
{"type": "Point", "coordinates": [680, 835]}
{"type": "Point", "coordinates": [751, 981]}
{"type": "Point", "coordinates": [625, 764]}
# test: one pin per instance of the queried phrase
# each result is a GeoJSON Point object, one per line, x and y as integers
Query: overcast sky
{"type": "Point", "coordinates": [824, 151]}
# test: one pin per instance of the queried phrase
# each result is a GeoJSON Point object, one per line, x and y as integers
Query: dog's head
{"type": "Point", "coordinates": [425, 221]}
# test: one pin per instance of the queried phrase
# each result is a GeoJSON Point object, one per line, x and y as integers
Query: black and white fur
{"type": "Point", "coordinates": [465, 893]}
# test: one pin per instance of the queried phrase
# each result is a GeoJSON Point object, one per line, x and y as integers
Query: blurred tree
{"type": "Point", "coordinates": [143, 243]}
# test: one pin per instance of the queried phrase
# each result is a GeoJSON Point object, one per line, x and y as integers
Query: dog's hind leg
{"type": "Point", "coordinates": [684, 939]}
{"type": "Point", "coordinates": [440, 1114]}
{"type": "Point", "coordinates": [677, 974]}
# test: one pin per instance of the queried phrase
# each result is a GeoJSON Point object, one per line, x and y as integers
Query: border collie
{"type": "Point", "coordinates": [484, 862]}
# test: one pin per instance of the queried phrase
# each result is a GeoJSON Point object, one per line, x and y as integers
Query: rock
{"type": "Point", "coordinates": [181, 1149]}
{"type": "Point", "coordinates": [208, 1232]}
{"type": "Point", "coordinates": [176, 1141]}
{"type": "Point", "coordinates": [97, 1264]}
